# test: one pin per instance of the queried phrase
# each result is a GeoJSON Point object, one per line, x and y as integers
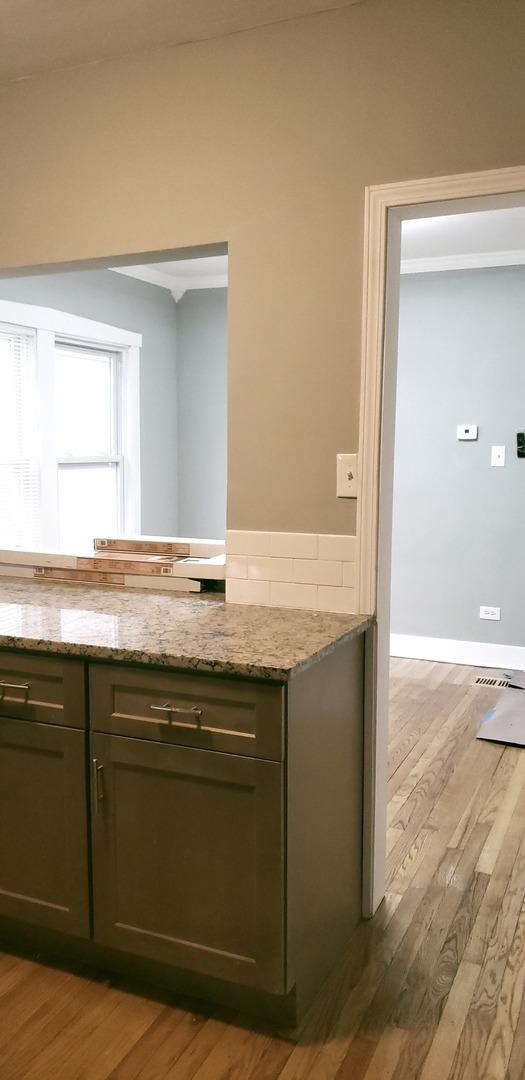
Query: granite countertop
{"type": "Point", "coordinates": [188, 632]}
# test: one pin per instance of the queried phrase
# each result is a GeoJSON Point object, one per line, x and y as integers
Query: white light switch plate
{"type": "Point", "coordinates": [347, 476]}
{"type": "Point", "coordinates": [497, 455]}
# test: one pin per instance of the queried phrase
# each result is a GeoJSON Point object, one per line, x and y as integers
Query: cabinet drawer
{"type": "Point", "coordinates": [42, 688]}
{"type": "Point", "coordinates": [243, 718]}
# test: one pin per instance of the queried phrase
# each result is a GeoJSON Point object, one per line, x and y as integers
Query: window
{"type": "Point", "coordinates": [87, 434]}
{"type": "Point", "coordinates": [20, 518]}
{"type": "Point", "coordinates": [69, 434]}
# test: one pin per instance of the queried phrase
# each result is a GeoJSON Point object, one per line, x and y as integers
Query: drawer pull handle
{"type": "Point", "coordinates": [98, 790]}
{"type": "Point", "coordinates": [176, 710]}
{"type": "Point", "coordinates": [13, 686]}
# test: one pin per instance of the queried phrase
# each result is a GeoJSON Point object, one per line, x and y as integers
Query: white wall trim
{"type": "Point", "coordinates": [476, 261]}
{"type": "Point", "coordinates": [146, 273]}
{"type": "Point", "coordinates": [379, 202]}
{"type": "Point", "coordinates": [210, 281]}
{"type": "Point", "coordinates": [449, 651]}
{"type": "Point", "coordinates": [64, 324]}
{"type": "Point", "coordinates": [131, 444]}
{"type": "Point", "coordinates": [176, 284]}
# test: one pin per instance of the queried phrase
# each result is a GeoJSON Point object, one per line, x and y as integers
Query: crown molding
{"type": "Point", "coordinates": [180, 285]}
{"type": "Point", "coordinates": [146, 273]}
{"type": "Point", "coordinates": [477, 261]}
{"type": "Point", "coordinates": [177, 286]}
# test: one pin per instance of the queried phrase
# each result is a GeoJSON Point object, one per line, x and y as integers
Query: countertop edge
{"type": "Point", "coordinates": [82, 651]}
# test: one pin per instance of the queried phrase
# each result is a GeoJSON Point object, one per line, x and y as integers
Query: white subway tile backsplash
{"type": "Point", "coordinates": [239, 542]}
{"type": "Point", "coordinates": [293, 545]}
{"type": "Point", "coordinates": [236, 566]}
{"type": "Point", "coordinates": [265, 569]}
{"type": "Point", "coordinates": [288, 594]}
{"type": "Point", "coordinates": [239, 591]}
{"type": "Point", "coordinates": [300, 570]}
{"type": "Point", "coordinates": [349, 574]}
{"type": "Point", "coordinates": [336, 599]}
{"type": "Point", "coordinates": [337, 547]}
{"type": "Point", "coordinates": [317, 572]}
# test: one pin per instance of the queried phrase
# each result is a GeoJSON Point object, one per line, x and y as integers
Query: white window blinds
{"type": "Point", "coordinates": [20, 502]}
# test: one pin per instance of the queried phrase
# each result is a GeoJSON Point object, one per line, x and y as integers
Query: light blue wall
{"type": "Point", "coordinates": [459, 525]}
{"type": "Point", "coordinates": [202, 419]}
{"type": "Point", "coordinates": [131, 305]}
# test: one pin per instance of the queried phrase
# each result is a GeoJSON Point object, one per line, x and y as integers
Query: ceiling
{"type": "Point", "coordinates": [486, 238]}
{"type": "Point", "coordinates": [183, 274]}
{"type": "Point", "coordinates": [43, 35]}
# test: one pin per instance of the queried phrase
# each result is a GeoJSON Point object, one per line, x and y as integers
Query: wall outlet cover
{"type": "Point", "coordinates": [487, 612]}
{"type": "Point", "coordinates": [497, 456]}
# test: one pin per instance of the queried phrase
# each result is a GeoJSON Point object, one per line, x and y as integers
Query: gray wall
{"type": "Point", "coordinates": [202, 420]}
{"type": "Point", "coordinates": [150, 311]}
{"type": "Point", "coordinates": [459, 525]}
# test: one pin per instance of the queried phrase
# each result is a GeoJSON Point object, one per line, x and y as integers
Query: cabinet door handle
{"type": "Point", "coordinates": [98, 789]}
{"type": "Point", "coordinates": [13, 686]}
{"type": "Point", "coordinates": [176, 710]}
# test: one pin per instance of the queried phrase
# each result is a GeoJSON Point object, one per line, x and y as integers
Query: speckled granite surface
{"type": "Point", "coordinates": [191, 633]}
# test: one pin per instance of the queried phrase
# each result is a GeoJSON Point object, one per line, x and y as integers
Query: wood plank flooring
{"type": "Point", "coordinates": [432, 988]}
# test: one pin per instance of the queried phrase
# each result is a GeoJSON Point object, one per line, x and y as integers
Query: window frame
{"type": "Point", "coordinates": [116, 458]}
{"type": "Point", "coordinates": [51, 328]}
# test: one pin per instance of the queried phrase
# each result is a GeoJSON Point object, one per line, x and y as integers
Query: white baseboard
{"type": "Point", "coordinates": [448, 651]}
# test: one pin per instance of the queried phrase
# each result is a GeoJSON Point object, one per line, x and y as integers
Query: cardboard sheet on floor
{"type": "Point", "coordinates": [505, 722]}
{"type": "Point", "coordinates": [517, 680]}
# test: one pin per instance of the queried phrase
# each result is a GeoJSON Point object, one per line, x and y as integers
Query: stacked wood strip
{"type": "Point", "coordinates": [108, 577]}
{"type": "Point", "coordinates": [157, 565]}
{"type": "Point", "coordinates": [142, 546]}
{"type": "Point", "coordinates": [179, 565]}
{"type": "Point", "coordinates": [160, 545]}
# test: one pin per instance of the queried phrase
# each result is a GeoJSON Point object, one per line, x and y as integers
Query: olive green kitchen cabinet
{"type": "Point", "coordinates": [197, 830]}
{"type": "Point", "coordinates": [187, 858]}
{"type": "Point", "coordinates": [43, 802]}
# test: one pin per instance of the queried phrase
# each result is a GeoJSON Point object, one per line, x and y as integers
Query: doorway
{"type": "Point", "coordinates": [386, 210]}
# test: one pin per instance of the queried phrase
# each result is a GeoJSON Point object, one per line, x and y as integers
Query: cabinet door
{"type": "Point", "coordinates": [43, 826]}
{"type": "Point", "coordinates": [187, 858]}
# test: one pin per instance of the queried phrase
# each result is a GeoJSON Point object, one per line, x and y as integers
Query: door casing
{"type": "Point", "coordinates": [386, 206]}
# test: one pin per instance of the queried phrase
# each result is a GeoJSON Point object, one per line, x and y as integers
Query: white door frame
{"type": "Point", "coordinates": [377, 402]}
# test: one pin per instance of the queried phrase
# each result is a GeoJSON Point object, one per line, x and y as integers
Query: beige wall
{"type": "Point", "coordinates": [267, 140]}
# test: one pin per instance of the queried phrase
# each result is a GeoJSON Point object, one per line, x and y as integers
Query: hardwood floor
{"type": "Point", "coordinates": [432, 988]}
